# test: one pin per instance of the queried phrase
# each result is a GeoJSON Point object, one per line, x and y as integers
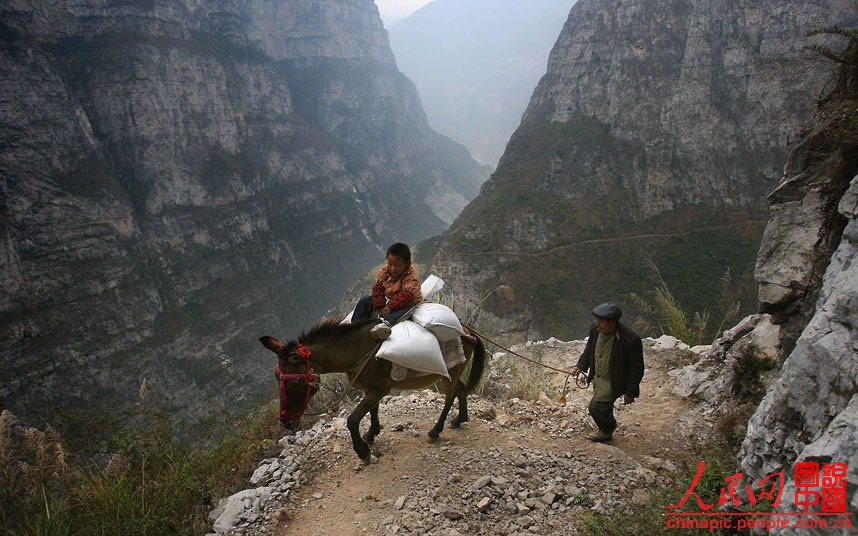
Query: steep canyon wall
{"type": "Point", "coordinates": [182, 177]}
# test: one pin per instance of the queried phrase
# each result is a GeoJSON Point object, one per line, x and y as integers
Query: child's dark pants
{"type": "Point", "coordinates": [363, 311]}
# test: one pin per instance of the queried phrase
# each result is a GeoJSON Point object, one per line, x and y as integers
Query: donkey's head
{"type": "Point", "coordinates": [295, 378]}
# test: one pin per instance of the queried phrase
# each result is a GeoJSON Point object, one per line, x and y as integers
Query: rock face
{"type": "Point", "coordinates": [804, 229]}
{"type": "Point", "coordinates": [809, 282]}
{"type": "Point", "coordinates": [655, 136]}
{"type": "Point", "coordinates": [810, 413]}
{"type": "Point", "coordinates": [727, 381]}
{"type": "Point", "coordinates": [179, 178]}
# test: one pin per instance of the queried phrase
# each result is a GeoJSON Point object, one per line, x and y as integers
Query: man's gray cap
{"type": "Point", "coordinates": [607, 310]}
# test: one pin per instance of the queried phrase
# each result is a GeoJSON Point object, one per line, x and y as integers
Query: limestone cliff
{"type": "Point", "coordinates": [794, 371]}
{"type": "Point", "coordinates": [808, 274]}
{"type": "Point", "coordinates": [178, 178]}
{"type": "Point", "coordinates": [811, 413]}
{"type": "Point", "coordinates": [654, 137]}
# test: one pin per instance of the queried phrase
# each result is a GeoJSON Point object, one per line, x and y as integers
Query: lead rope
{"type": "Point", "coordinates": [562, 398]}
{"type": "Point", "coordinates": [364, 361]}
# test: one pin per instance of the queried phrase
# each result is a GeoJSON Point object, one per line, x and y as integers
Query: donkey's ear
{"type": "Point", "coordinates": [271, 343]}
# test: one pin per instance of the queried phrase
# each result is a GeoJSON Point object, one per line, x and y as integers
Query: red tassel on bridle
{"type": "Point", "coordinates": [308, 377]}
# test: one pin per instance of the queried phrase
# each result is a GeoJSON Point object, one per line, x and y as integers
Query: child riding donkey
{"type": "Point", "coordinates": [343, 347]}
{"type": "Point", "coordinates": [396, 291]}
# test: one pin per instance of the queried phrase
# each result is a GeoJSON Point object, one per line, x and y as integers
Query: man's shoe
{"type": "Point", "coordinates": [380, 332]}
{"type": "Point", "coordinates": [601, 437]}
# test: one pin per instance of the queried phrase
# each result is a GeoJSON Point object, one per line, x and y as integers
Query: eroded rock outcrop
{"type": "Point", "coordinates": [804, 229]}
{"type": "Point", "coordinates": [728, 379]}
{"type": "Point", "coordinates": [810, 413]}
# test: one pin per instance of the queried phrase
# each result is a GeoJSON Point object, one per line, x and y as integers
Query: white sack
{"type": "Point", "coordinates": [431, 285]}
{"type": "Point", "coordinates": [453, 352]}
{"type": "Point", "coordinates": [439, 319]}
{"type": "Point", "coordinates": [413, 346]}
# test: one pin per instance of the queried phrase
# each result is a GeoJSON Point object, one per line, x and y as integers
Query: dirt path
{"type": "Point", "coordinates": [608, 240]}
{"type": "Point", "coordinates": [539, 472]}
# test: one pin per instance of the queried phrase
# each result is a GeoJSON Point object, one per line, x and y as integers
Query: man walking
{"type": "Point", "coordinates": [614, 359]}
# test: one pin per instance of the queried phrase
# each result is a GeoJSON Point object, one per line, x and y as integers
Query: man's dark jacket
{"type": "Point", "coordinates": [627, 365]}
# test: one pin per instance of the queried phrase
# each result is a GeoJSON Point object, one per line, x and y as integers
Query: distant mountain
{"type": "Point", "coordinates": [655, 137]}
{"type": "Point", "coordinates": [475, 64]}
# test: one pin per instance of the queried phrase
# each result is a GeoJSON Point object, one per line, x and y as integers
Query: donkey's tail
{"type": "Point", "coordinates": [478, 365]}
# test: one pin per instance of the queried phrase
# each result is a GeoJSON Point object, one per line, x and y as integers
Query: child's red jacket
{"type": "Point", "coordinates": [397, 293]}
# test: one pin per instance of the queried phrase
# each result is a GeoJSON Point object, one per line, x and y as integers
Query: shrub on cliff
{"type": "Point", "coordinates": [665, 314]}
{"type": "Point", "coordinates": [837, 106]}
{"type": "Point", "coordinates": [143, 479]}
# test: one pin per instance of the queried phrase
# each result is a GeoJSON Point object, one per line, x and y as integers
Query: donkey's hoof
{"type": "Point", "coordinates": [433, 436]}
{"type": "Point", "coordinates": [457, 422]}
{"type": "Point", "coordinates": [371, 459]}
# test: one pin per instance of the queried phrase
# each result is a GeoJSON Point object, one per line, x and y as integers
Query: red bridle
{"type": "Point", "coordinates": [309, 378]}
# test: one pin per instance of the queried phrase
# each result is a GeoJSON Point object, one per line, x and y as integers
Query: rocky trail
{"type": "Point", "coordinates": [555, 249]}
{"type": "Point", "coordinates": [516, 467]}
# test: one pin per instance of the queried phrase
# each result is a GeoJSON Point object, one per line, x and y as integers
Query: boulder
{"type": "Point", "coordinates": [716, 383]}
{"type": "Point", "coordinates": [235, 505]}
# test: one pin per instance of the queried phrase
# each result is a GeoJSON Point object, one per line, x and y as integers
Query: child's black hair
{"type": "Point", "coordinates": [400, 250]}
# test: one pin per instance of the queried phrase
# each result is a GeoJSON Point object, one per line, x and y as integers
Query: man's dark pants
{"type": "Point", "coordinates": [603, 414]}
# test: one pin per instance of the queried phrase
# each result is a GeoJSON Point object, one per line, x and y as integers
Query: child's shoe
{"type": "Point", "coordinates": [380, 331]}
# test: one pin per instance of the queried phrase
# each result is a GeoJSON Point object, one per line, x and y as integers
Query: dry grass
{"type": "Point", "coordinates": [34, 469]}
{"type": "Point", "coordinates": [666, 314]}
{"type": "Point", "coordinates": [512, 377]}
{"type": "Point", "coordinates": [153, 483]}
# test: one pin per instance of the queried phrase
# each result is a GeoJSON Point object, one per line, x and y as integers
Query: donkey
{"type": "Point", "coordinates": [334, 347]}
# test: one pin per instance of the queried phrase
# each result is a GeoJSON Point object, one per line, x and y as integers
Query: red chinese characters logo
{"type": "Point", "coordinates": [815, 485]}
{"type": "Point", "coordinates": [768, 486]}
{"type": "Point", "coordinates": [828, 492]}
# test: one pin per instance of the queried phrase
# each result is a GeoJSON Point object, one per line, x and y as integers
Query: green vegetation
{"type": "Point", "coordinates": [748, 384]}
{"type": "Point", "coordinates": [91, 177]}
{"type": "Point", "coordinates": [670, 318]}
{"type": "Point", "coordinates": [586, 245]}
{"type": "Point", "coordinates": [8, 34]}
{"type": "Point", "coordinates": [115, 477]}
{"type": "Point", "coordinates": [525, 185]}
{"type": "Point", "coordinates": [559, 286]}
{"type": "Point", "coordinates": [837, 107]}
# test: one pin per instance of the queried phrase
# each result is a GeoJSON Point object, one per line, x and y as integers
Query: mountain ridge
{"type": "Point", "coordinates": [651, 119]}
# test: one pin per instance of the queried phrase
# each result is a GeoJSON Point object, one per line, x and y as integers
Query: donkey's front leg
{"type": "Point", "coordinates": [448, 402]}
{"type": "Point", "coordinates": [369, 401]}
{"type": "Point", "coordinates": [374, 425]}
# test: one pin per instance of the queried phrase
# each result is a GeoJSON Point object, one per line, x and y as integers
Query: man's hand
{"type": "Point", "coordinates": [385, 311]}
{"type": "Point", "coordinates": [576, 371]}
{"type": "Point", "coordinates": [628, 400]}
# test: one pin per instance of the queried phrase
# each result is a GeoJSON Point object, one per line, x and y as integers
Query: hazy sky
{"type": "Point", "coordinates": [393, 10]}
